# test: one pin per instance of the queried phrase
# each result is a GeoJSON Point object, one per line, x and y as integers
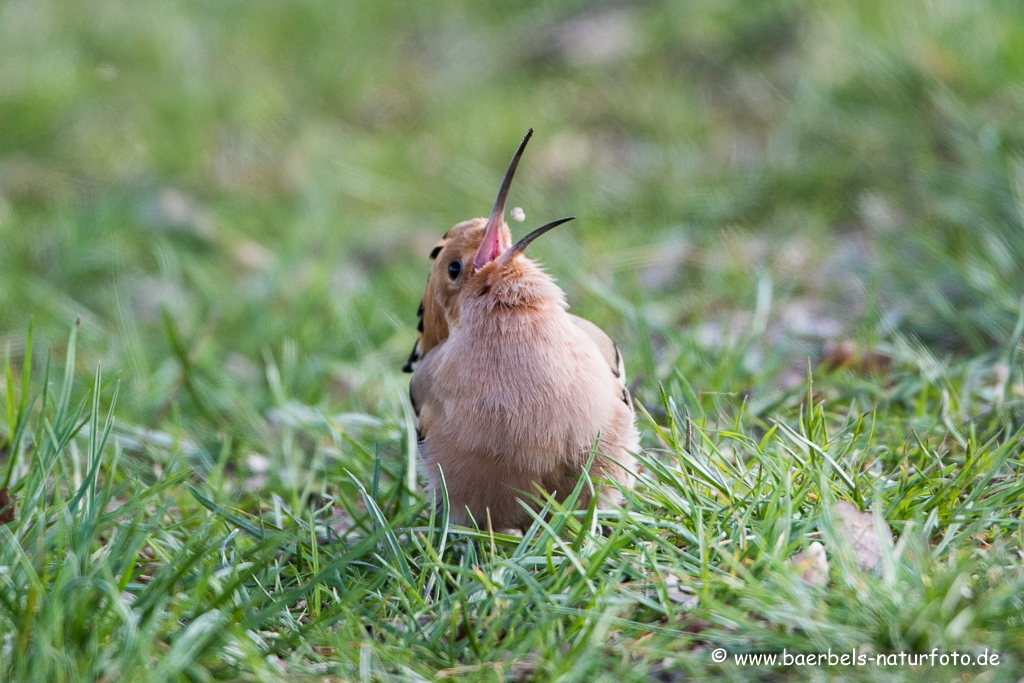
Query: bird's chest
{"type": "Point", "coordinates": [525, 390]}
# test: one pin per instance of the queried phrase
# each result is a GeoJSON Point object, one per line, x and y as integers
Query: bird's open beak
{"type": "Point", "coordinates": [497, 243]}
{"type": "Point", "coordinates": [496, 240]}
{"type": "Point", "coordinates": [521, 245]}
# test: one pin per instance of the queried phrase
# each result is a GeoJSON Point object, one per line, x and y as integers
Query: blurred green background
{"type": "Point", "coordinates": [237, 198]}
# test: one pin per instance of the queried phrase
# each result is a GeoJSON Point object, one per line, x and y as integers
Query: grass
{"type": "Point", "coordinates": [802, 224]}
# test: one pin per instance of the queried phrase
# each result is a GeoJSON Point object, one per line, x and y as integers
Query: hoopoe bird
{"type": "Point", "coordinates": [510, 391]}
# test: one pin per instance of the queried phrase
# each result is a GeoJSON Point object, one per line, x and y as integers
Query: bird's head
{"type": "Point", "coordinates": [477, 261]}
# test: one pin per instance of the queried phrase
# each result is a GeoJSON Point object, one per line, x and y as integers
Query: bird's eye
{"type": "Point", "coordinates": [454, 268]}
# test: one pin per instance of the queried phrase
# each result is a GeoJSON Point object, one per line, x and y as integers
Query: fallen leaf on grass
{"type": "Point", "coordinates": [6, 507]}
{"type": "Point", "coordinates": [859, 529]}
{"type": "Point", "coordinates": [812, 564]}
{"type": "Point", "coordinates": [848, 354]}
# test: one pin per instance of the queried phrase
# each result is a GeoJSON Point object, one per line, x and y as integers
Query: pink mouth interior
{"type": "Point", "coordinates": [491, 248]}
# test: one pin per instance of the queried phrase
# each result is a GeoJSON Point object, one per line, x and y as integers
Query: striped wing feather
{"type": "Point", "coordinates": [431, 328]}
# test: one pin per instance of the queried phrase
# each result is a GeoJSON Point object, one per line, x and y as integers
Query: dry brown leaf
{"type": "Point", "coordinates": [6, 507]}
{"type": "Point", "coordinates": [859, 528]}
{"type": "Point", "coordinates": [849, 354]}
{"type": "Point", "coordinates": [812, 564]}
